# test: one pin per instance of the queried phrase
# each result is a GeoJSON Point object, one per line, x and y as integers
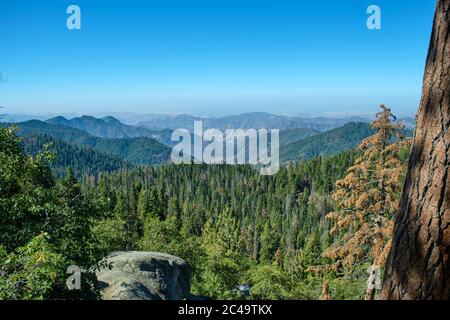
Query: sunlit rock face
{"type": "Point", "coordinates": [135, 275]}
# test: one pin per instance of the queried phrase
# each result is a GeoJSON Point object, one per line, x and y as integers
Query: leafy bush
{"type": "Point", "coordinates": [31, 272]}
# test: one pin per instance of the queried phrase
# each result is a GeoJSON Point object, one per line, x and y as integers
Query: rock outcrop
{"type": "Point", "coordinates": [135, 275]}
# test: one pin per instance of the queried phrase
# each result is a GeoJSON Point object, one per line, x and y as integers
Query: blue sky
{"type": "Point", "coordinates": [212, 57]}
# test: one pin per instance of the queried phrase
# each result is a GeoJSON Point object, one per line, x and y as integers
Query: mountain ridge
{"type": "Point", "coordinates": [138, 150]}
{"type": "Point", "coordinates": [159, 121]}
{"type": "Point", "coordinates": [107, 127]}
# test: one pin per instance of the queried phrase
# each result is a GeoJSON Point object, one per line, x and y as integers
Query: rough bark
{"type": "Point", "coordinates": [418, 266]}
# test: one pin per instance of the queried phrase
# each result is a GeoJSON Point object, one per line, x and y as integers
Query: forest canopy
{"type": "Point", "coordinates": [232, 225]}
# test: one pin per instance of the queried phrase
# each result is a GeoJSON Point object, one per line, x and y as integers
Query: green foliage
{"type": "Point", "coordinates": [25, 192]}
{"type": "Point", "coordinates": [83, 160]}
{"type": "Point", "coordinates": [227, 221]}
{"type": "Point", "coordinates": [136, 151]}
{"type": "Point", "coordinates": [71, 222]}
{"type": "Point", "coordinates": [270, 282]}
{"type": "Point", "coordinates": [331, 142]}
{"type": "Point", "coordinates": [33, 203]}
{"type": "Point", "coordinates": [233, 226]}
{"type": "Point", "coordinates": [225, 262]}
{"type": "Point", "coordinates": [161, 235]}
{"type": "Point", "coordinates": [110, 235]}
{"type": "Point", "coordinates": [166, 236]}
{"type": "Point", "coordinates": [293, 135]}
{"type": "Point", "coordinates": [31, 272]}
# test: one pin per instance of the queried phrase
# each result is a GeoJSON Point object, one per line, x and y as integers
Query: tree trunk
{"type": "Point", "coordinates": [370, 293]}
{"type": "Point", "coordinates": [418, 266]}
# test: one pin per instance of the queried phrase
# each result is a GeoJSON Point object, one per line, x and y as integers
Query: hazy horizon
{"type": "Point", "coordinates": [131, 117]}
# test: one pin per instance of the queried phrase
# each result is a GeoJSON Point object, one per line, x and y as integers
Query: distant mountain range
{"type": "Point", "coordinates": [136, 151]}
{"type": "Point", "coordinates": [111, 128]}
{"type": "Point", "coordinates": [125, 125]}
{"type": "Point", "coordinates": [93, 145]}
{"type": "Point", "coordinates": [254, 120]}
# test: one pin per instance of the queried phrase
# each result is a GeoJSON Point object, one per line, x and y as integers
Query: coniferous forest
{"type": "Point", "coordinates": [96, 208]}
{"type": "Point", "coordinates": [281, 235]}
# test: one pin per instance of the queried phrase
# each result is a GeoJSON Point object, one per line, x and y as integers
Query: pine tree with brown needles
{"type": "Point", "coordinates": [367, 199]}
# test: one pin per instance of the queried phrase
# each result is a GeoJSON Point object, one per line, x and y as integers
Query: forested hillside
{"type": "Point", "coordinates": [293, 135]}
{"type": "Point", "coordinates": [232, 225]}
{"type": "Point", "coordinates": [295, 144]}
{"type": "Point", "coordinates": [84, 161]}
{"type": "Point", "coordinates": [273, 234]}
{"type": "Point", "coordinates": [110, 128]}
{"type": "Point", "coordinates": [327, 143]}
{"type": "Point", "coordinates": [136, 151]}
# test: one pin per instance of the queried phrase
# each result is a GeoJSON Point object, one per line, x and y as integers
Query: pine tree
{"type": "Point", "coordinates": [26, 192]}
{"type": "Point", "coordinates": [224, 259]}
{"type": "Point", "coordinates": [143, 205]}
{"type": "Point", "coordinates": [367, 199]}
{"type": "Point", "coordinates": [325, 295]}
{"type": "Point", "coordinates": [418, 266]}
{"type": "Point", "coordinates": [268, 243]}
{"type": "Point", "coordinates": [71, 223]}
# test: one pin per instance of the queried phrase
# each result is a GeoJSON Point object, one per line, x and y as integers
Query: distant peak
{"type": "Point", "coordinates": [111, 119]}
{"type": "Point", "coordinates": [86, 117]}
{"type": "Point", "coordinates": [58, 120]}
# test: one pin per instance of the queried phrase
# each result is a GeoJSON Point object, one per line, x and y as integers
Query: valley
{"type": "Point", "coordinates": [103, 145]}
{"type": "Point", "coordinates": [233, 226]}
